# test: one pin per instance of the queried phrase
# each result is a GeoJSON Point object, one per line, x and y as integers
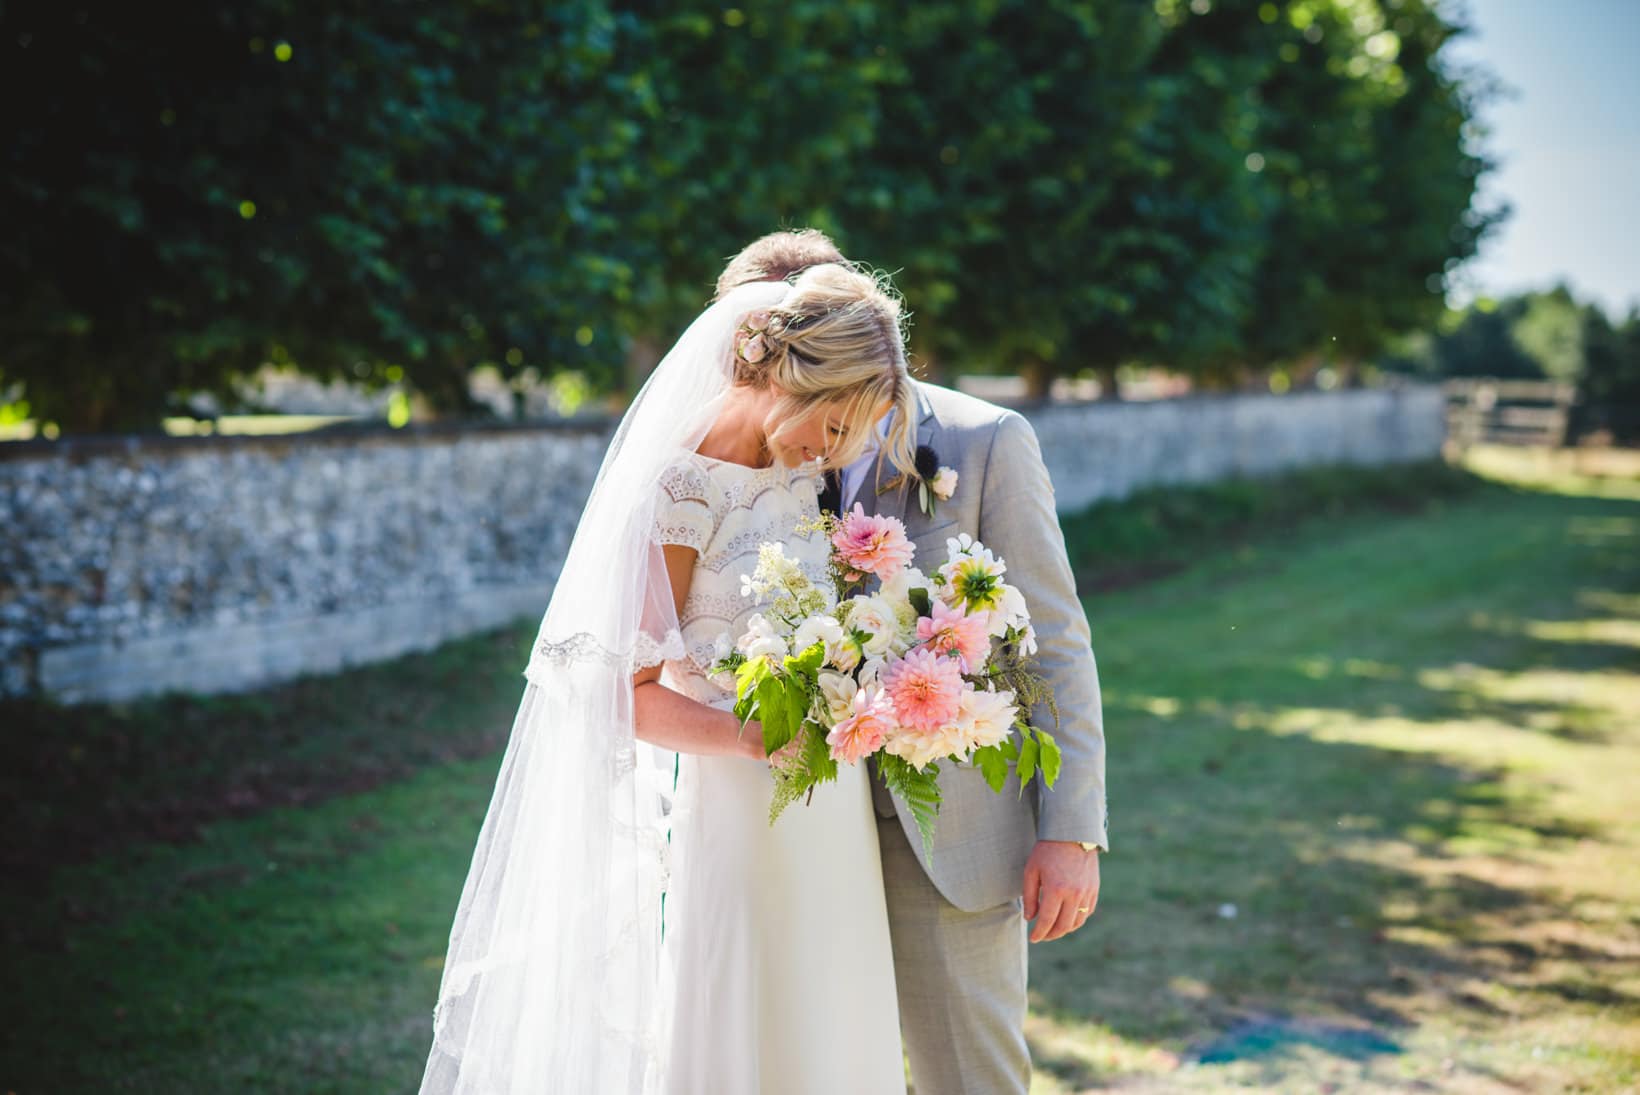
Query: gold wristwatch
{"type": "Point", "coordinates": [1088, 846]}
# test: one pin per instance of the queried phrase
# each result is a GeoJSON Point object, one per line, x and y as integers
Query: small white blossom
{"type": "Point", "coordinates": [1010, 611]}
{"type": "Point", "coordinates": [944, 483]}
{"type": "Point", "coordinates": [761, 639]}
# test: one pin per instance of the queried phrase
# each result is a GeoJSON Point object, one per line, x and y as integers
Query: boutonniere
{"type": "Point", "coordinates": [934, 480]}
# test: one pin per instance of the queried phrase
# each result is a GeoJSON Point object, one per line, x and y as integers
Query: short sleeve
{"type": "Point", "coordinates": [683, 509]}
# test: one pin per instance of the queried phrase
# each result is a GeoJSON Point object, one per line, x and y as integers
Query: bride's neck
{"type": "Point", "coordinates": [737, 434]}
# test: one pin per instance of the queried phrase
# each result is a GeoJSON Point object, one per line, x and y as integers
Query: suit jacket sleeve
{"type": "Point", "coordinates": [1019, 523]}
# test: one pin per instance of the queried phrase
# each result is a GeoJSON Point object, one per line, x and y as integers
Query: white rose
{"type": "Point", "coordinates": [837, 693]}
{"type": "Point", "coordinates": [871, 671]}
{"type": "Point", "coordinates": [878, 620]}
{"type": "Point", "coordinates": [817, 629]}
{"type": "Point", "coordinates": [761, 639]}
{"type": "Point", "coordinates": [945, 483]}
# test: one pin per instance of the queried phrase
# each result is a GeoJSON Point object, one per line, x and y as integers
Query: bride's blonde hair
{"type": "Point", "coordinates": [839, 335]}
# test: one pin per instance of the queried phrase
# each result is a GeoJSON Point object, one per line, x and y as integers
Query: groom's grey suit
{"type": "Point", "coordinates": [956, 917]}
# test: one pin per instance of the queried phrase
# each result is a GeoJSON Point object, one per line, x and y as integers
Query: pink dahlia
{"type": "Point", "coordinates": [950, 630]}
{"type": "Point", "coordinates": [872, 545]}
{"type": "Point", "coordinates": [864, 729]}
{"type": "Point", "coordinates": [925, 688]}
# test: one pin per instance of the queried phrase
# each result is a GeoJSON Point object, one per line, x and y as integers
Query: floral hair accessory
{"type": "Point", "coordinates": [751, 338]}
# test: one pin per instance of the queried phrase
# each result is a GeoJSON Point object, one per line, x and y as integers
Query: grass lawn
{"type": "Point", "coordinates": [1373, 763]}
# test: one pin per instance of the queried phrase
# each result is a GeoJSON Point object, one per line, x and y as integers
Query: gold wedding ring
{"type": "Point", "coordinates": [1081, 908]}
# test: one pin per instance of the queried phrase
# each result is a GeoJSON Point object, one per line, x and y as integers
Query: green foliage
{"type": "Point", "coordinates": [366, 190]}
{"type": "Point", "coordinates": [1550, 332]}
{"type": "Point", "coordinates": [777, 698]}
{"type": "Point", "coordinates": [342, 188]}
{"type": "Point", "coordinates": [919, 790]}
{"type": "Point", "coordinates": [1609, 385]}
{"type": "Point", "coordinates": [810, 766]}
{"type": "Point", "coordinates": [992, 762]}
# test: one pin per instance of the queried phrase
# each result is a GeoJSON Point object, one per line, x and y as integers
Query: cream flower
{"type": "Point", "coordinates": [844, 654]}
{"type": "Point", "coordinates": [879, 621]}
{"type": "Point", "coordinates": [837, 694]}
{"type": "Point", "coordinates": [917, 748]}
{"type": "Point", "coordinates": [984, 718]}
{"type": "Point", "coordinates": [944, 483]}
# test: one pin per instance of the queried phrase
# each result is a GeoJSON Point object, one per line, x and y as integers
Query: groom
{"type": "Point", "coordinates": [959, 919]}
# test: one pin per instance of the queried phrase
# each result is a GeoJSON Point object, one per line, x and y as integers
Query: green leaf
{"type": "Point", "coordinates": [807, 663]}
{"type": "Point", "coordinates": [919, 791]}
{"type": "Point", "coordinates": [750, 675]}
{"type": "Point", "coordinates": [993, 765]}
{"type": "Point", "coordinates": [1026, 767]}
{"type": "Point", "coordinates": [1050, 757]}
{"type": "Point", "coordinates": [771, 710]}
{"type": "Point", "coordinates": [920, 600]}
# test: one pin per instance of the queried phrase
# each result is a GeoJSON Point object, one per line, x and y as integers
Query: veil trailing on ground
{"type": "Point", "coordinates": [554, 980]}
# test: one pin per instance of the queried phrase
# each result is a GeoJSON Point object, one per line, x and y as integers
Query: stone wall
{"type": "Point", "coordinates": [135, 566]}
{"type": "Point", "coordinates": [1096, 451]}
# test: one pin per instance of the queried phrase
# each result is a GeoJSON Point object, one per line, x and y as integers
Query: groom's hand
{"type": "Point", "coordinates": [1061, 888]}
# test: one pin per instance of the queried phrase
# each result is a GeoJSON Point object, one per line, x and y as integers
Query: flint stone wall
{"type": "Point", "coordinates": [135, 566]}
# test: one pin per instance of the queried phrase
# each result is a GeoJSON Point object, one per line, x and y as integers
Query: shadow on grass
{"type": "Point", "coordinates": [1289, 891]}
{"type": "Point", "coordinates": [80, 782]}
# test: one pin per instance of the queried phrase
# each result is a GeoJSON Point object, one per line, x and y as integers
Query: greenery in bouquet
{"type": "Point", "coordinates": [877, 659]}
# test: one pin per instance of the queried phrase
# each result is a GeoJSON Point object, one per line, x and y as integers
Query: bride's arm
{"type": "Point", "coordinates": [672, 720]}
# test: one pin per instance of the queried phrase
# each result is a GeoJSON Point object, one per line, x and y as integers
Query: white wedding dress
{"type": "Point", "coordinates": [776, 940]}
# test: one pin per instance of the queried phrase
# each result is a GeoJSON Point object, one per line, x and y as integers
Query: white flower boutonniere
{"type": "Point", "coordinates": [934, 481]}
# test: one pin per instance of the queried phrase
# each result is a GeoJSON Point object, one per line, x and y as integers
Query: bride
{"type": "Point", "coordinates": [631, 923]}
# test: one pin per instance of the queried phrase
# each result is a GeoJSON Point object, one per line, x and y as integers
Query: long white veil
{"type": "Point", "coordinates": [554, 979]}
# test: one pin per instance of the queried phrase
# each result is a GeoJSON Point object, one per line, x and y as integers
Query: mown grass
{"type": "Point", "coordinates": [1371, 782]}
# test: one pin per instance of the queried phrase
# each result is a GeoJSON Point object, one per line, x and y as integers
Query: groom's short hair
{"type": "Point", "coordinates": [776, 257]}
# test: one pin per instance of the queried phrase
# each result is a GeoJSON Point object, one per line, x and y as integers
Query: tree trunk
{"type": "Point", "coordinates": [1108, 387]}
{"type": "Point", "coordinates": [643, 353]}
{"type": "Point", "coordinates": [1038, 380]}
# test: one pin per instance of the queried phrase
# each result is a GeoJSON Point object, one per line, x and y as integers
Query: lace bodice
{"type": "Point", "coordinates": [724, 511]}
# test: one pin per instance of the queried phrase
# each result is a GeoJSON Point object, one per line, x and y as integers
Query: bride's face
{"type": "Point", "coordinates": [816, 434]}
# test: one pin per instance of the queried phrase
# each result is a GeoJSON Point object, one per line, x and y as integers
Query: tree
{"type": "Point", "coordinates": [1049, 201]}
{"type": "Point", "coordinates": [351, 187]}
{"type": "Point", "coordinates": [1609, 384]}
{"type": "Point", "coordinates": [1362, 139]}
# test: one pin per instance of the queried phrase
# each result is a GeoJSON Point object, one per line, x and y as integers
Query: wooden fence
{"type": "Point", "coordinates": [1508, 412]}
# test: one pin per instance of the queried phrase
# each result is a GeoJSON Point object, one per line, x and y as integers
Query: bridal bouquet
{"type": "Point", "coordinates": [921, 669]}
